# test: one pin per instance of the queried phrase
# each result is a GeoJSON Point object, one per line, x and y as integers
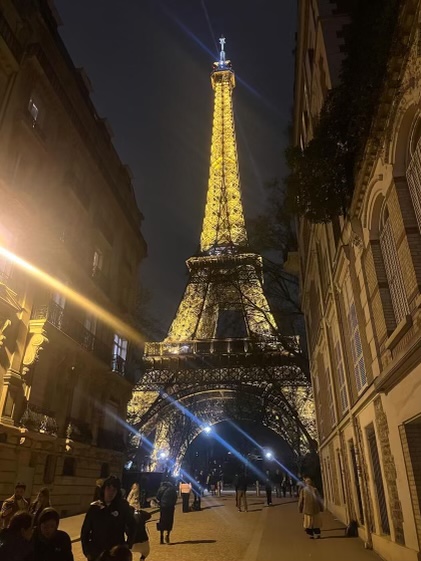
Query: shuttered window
{"type": "Point", "coordinates": [332, 417]}
{"type": "Point", "coordinates": [355, 342]}
{"type": "Point", "coordinates": [341, 378]}
{"type": "Point", "coordinates": [393, 272]}
{"type": "Point", "coordinates": [413, 177]}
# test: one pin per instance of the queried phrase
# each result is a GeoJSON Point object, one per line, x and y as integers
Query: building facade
{"type": "Point", "coordinates": [68, 207]}
{"type": "Point", "coordinates": [361, 294]}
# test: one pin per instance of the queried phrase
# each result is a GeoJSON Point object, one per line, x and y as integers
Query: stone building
{"type": "Point", "coordinates": [361, 292]}
{"type": "Point", "coordinates": [67, 207]}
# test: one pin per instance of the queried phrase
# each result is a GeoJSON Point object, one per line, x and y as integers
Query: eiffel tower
{"type": "Point", "coordinates": [224, 341]}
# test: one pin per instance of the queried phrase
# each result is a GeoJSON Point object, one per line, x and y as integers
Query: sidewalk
{"type": "Point", "coordinates": [264, 533]}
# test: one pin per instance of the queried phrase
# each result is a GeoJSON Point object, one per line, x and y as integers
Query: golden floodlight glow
{"type": "Point", "coordinates": [81, 301]}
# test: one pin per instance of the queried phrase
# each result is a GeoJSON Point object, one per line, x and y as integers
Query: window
{"type": "Point", "coordinates": [33, 109]}
{"type": "Point", "coordinates": [6, 241]}
{"type": "Point", "coordinates": [119, 354]}
{"type": "Point", "coordinates": [356, 344]}
{"type": "Point", "coordinates": [49, 469]}
{"type": "Point", "coordinates": [331, 403]}
{"type": "Point", "coordinates": [393, 270]}
{"type": "Point", "coordinates": [90, 323]}
{"type": "Point", "coordinates": [97, 262]}
{"type": "Point", "coordinates": [341, 378]}
{"type": "Point", "coordinates": [69, 467]}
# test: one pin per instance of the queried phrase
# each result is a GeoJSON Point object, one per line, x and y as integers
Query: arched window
{"type": "Point", "coordinates": [393, 269]}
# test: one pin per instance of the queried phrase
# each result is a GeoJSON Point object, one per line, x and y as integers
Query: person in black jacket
{"type": "Point", "coordinates": [15, 541]}
{"type": "Point", "coordinates": [51, 544]}
{"type": "Point", "coordinates": [167, 498]}
{"type": "Point", "coordinates": [108, 521]}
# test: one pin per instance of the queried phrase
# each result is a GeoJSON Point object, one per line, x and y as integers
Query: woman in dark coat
{"type": "Point", "coordinates": [167, 498]}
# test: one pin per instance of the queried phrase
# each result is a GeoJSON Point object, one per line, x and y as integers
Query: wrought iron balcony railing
{"type": "Point", "coordinates": [78, 430]}
{"type": "Point", "coordinates": [40, 420]}
{"type": "Point", "coordinates": [118, 364]}
{"type": "Point", "coordinates": [65, 322]}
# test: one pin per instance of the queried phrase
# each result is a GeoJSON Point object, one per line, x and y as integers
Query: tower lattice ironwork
{"type": "Point", "coordinates": [223, 341]}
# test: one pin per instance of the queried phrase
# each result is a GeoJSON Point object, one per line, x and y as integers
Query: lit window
{"type": "Point", "coordinates": [90, 323]}
{"type": "Point", "coordinates": [33, 110]}
{"type": "Point", "coordinates": [120, 347]}
{"type": "Point", "coordinates": [97, 262]}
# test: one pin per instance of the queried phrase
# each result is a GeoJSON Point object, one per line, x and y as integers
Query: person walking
{"type": "Point", "coordinates": [268, 489]}
{"type": "Point", "coordinates": [185, 490]}
{"type": "Point", "coordinates": [284, 486]}
{"type": "Point", "coordinates": [108, 521]}
{"type": "Point", "coordinates": [235, 484]}
{"type": "Point", "coordinates": [197, 493]}
{"type": "Point", "coordinates": [15, 541]}
{"type": "Point", "coordinates": [167, 499]}
{"type": "Point", "coordinates": [42, 501]}
{"type": "Point", "coordinates": [141, 538]}
{"type": "Point", "coordinates": [311, 505]}
{"type": "Point", "coordinates": [13, 504]}
{"type": "Point", "coordinates": [50, 543]}
{"type": "Point", "coordinates": [242, 492]}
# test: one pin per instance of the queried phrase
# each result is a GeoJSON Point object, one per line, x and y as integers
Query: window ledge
{"type": "Point", "coordinates": [401, 329]}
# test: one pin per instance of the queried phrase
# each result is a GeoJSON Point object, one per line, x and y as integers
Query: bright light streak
{"type": "Point", "coordinates": [79, 300]}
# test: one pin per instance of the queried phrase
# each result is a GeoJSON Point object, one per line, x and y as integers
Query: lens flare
{"type": "Point", "coordinates": [79, 300]}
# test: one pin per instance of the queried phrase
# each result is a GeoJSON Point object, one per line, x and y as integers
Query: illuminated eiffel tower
{"type": "Point", "coordinates": [224, 340]}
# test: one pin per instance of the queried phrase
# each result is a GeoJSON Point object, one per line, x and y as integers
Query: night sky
{"type": "Point", "coordinates": [149, 63]}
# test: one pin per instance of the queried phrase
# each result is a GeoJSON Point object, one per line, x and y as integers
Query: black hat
{"type": "Point", "coordinates": [48, 514]}
{"type": "Point", "coordinates": [112, 481]}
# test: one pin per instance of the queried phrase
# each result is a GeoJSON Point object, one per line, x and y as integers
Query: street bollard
{"type": "Point", "coordinates": [257, 489]}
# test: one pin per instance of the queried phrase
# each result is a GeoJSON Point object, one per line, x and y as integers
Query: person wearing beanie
{"type": "Point", "coordinates": [15, 541]}
{"type": "Point", "coordinates": [109, 521]}
{"type": "Point", "coordinates": [50, 543]}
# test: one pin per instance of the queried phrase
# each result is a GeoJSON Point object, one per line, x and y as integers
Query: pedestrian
{"type": "Point", "coordinates": [50, 543]}
{"type": "Point", "coordinates": [185, 489]}
{"type": "Point", "coordinates": [42, 501]}
{"type": "Point", "coordinates": [166, 498]}
{"type": "Point", "coordinates": [284, 486]}
{"type": "Point", "coordinates": [117, 553]}
{"type": "Point", "coordinates": [197, 493]}
{"type": "Point", "coordinates": [235, 484]}
{"type": "Point", "coordinates": [13, 504]}
{"type": "Point", "coordinates": [15, 541]}
{"type": "Point", "coordinates": [311, 505]}
{"type": "Point", "coordinates": [278, 483]}
{"type": "Point", "coordinates": [108, 522]}
{"type": "Point", "coordinates": [141, 538]}
{"type": "Point", "coordinates": [242, 492]}
{"type": "Point", "coordinates": [268, 489]}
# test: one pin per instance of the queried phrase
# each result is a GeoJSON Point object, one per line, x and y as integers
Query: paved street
{"type": "Point", "coordinates": [263, 534]}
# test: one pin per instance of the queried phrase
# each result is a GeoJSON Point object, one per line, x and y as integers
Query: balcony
{"type": "Point", "coordinates": [39, 420]}
{"type": "Point", "coordinates": [110, 440]}
{"type": "Point", "coordinates": [73, 328]}
{"type": "Point", "coordinates": [78, 430]}
{"type": "Point", "coordinates": [118, 364]}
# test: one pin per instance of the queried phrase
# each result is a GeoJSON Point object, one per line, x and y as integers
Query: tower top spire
{"type": "Point", "coordinates": [222, 63]}
{"type": "Point", "coordinates": [222, 42]}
